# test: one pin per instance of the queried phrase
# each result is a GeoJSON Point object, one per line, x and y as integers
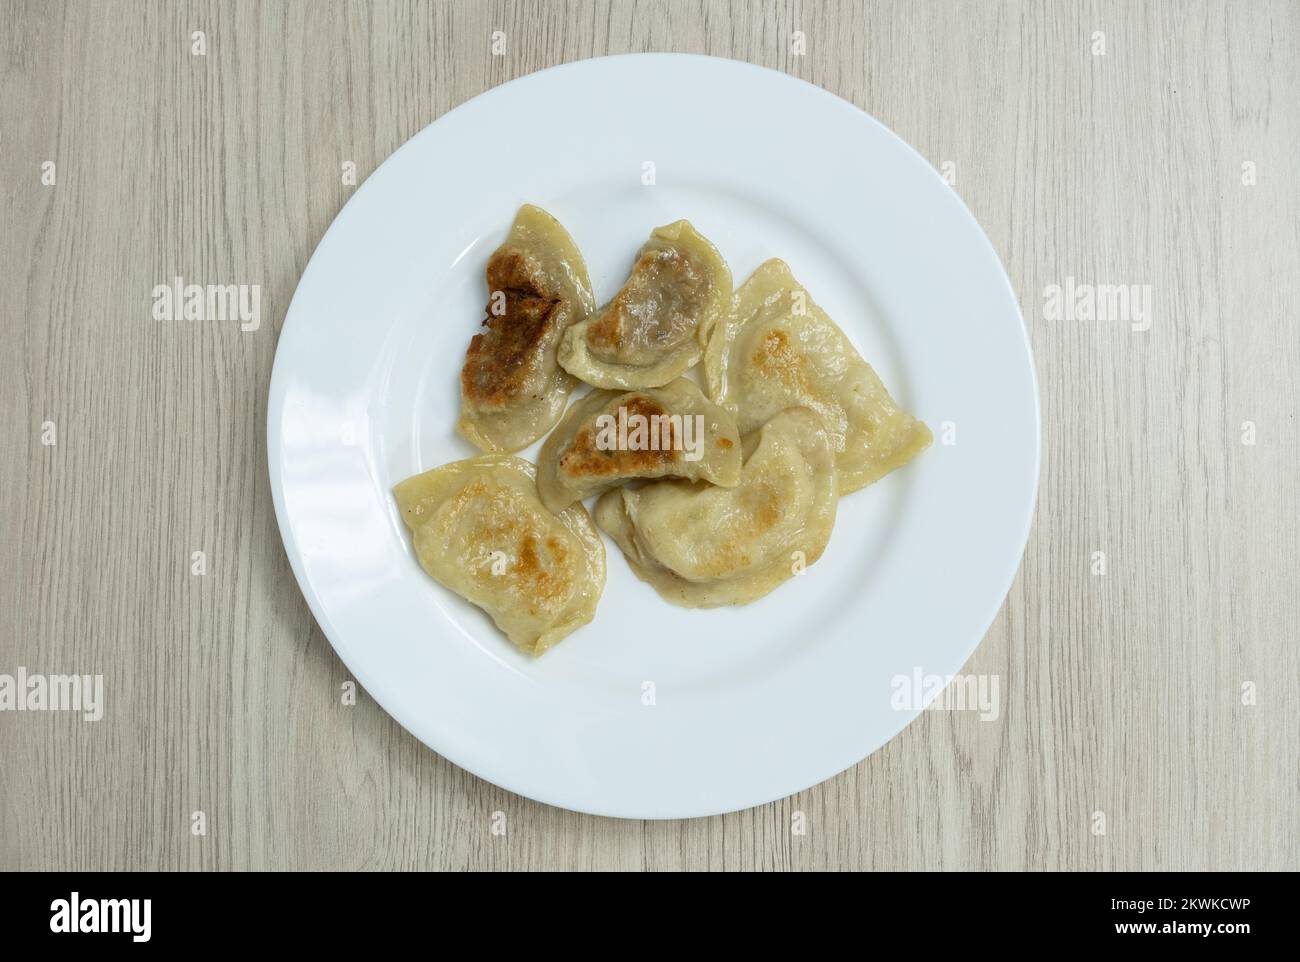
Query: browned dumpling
{"type": "Point", "coordinates": [777, 348]}
{"type": "Point", "coordinates": [702, 546]}
{"type": "Point", "coordinates": [480, 530]}
{"type": "Point", "coordinates": [512, 388]}
{"type": "Point", "coordinates": [610, 437]}
{"type": "Point", "coordinates": [657, 325]}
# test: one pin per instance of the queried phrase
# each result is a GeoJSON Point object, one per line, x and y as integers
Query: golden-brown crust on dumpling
{"type": "Point", "coordinates": [513, 389]}
{"type": "Point", "coordinates": [584, 459]}
{"type": "Point", "coordinates": [480, 529]}
{"type": "Point", "coordinates": [655, 327]}
{"type": "Point", "coordinates": [777, 348]}
{"type": "Point", "coordinates": [703, 546]}
{"type": "Point", "coordinates": [499, 360]}
{"type": "Point", "coordinates": [576, 462]}
{"type": "Point", "coordinates": [659, 304]}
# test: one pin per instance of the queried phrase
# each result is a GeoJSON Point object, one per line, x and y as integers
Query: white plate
{"type": "Point", "coordinates": [749, 704]}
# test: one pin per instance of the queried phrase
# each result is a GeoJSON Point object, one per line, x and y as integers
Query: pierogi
{"type": "Point", "coordinates": [703, 546]}
{"type": "Point", "coordinates": [657, 325]}
{"type": "Point", "coordinates": [480, 530]}
{"type": "Point", "coordinates": [777, 348]}
{"type": "Point", "coordinates": [715, 497]}
{"type": "Point", "coordinates": [610, 437]}
{"type": "Point", "coordinates": [512, 388]}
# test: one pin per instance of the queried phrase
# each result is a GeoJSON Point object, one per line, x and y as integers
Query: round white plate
{"type": "Point", "coordinates": [653, 711]}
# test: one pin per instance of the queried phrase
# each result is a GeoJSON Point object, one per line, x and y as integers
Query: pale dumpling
{"type": "Point", "coordinates": [657, 325]}
{"type": "Point", "coordinates": [512, 389]}
{"type": "Point", "coordinates": [480, 530]}
{"type": "Point", "coordinates": [610, 437]}
{"type": "Point", "coordinates": [702, 546]}
{"type": "Point", "coordinates": [777, 348]}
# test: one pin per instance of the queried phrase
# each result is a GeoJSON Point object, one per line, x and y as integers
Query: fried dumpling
{"type": "Point", "coordinates": [777, 348]}
{"type": "Point", "coordinates": [610, 437]}
{"type": "Point", "coordinates": [512, 389]}
{"type": "Point", "coordinates": [480, 530]}
{"type": "Point", "coordinates": [702, 546]}
{"type": "Point", "coordinates": [657, 325]}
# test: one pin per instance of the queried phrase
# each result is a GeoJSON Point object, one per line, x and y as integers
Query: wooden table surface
{"type": "Point", "coordinates": [1149, 713]}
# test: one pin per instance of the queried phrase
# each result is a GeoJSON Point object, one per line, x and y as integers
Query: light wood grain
{"type": "Point", "coordinates": [1121, 693]}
